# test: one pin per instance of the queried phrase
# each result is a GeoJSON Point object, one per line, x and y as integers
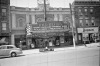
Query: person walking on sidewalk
{"type": "Point", "coordinates": [85, 43]}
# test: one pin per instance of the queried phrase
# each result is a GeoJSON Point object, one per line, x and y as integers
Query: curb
{"type": "Point", "coordinates": [36, 51]}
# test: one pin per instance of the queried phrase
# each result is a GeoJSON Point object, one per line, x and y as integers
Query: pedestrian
{"type": "Point", "coordinates": [85, 43]}
{"type": "Point", "coordinates": [46, 44]}
{"type": "Point", "coordinates": [50, 43]}
{"type": "Point", "coordinates": [32, 45]}
{"type": "Point", "coordinates": [57, 42]}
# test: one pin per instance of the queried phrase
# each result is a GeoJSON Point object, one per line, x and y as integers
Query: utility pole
{"type": "Point", "coordinates": [72, 25]}
{"type": "Point", "coordinates": [46, 47]}
{"type": "Point", "coordinates": [45, 10]}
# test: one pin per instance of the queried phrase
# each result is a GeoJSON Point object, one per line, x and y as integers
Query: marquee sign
{"type": "Point", "coordinates": [49, 26]}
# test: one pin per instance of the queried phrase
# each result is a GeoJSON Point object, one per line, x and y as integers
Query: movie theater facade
{"type": "Point", "coordinates": [28, 26]}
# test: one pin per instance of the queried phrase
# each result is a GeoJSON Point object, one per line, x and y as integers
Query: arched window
{"type": "Point", "coordinates": [20, 22]}
{"type": "Point", "coordinates": [40, 20]}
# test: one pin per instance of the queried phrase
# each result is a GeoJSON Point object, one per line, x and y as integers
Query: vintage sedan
{"type": "Point", "coordinates": [9, 50]}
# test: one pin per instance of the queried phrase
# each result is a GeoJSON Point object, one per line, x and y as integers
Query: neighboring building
{"type": "Point", "coordinates": [56, 27]}
{"type": "Point", "coordinates": [87, 20]}
{"type": "Point", "coordinates": [4, 21]}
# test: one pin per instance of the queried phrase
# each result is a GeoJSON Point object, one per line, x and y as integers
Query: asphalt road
{"type": "Point", "coordinates": [72, 57]}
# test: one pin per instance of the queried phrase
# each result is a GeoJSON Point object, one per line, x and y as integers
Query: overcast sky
{"type": "Point", "coordinates": [33, 3]}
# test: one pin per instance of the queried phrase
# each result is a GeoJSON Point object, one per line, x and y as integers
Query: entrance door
{"type": "Point", "coordinates": [91, 37]}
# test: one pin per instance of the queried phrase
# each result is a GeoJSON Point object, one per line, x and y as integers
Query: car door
{"type": "Point", "coordinates": [3, 50]}
{"type": "Point", "coordinates": [8, 50]}
{"type": "Point", "coordinates": [0, 51]}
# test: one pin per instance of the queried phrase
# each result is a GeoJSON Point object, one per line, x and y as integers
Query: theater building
{"type": "Point", "coordinates": [28, 25]}
{"type": "Point", "coordinates": [87, 20]}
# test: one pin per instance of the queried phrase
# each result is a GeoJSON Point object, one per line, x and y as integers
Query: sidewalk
{"type": "Point", "coordinates": [32, 51]}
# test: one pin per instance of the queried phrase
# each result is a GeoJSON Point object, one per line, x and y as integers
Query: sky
{"type": "Point", "coordinates": [33, 3]}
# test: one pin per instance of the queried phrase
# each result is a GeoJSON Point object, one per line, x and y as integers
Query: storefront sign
{"type": "Point", "coordinates": [88, 30]}
{"type": "Point", "coordinates": [48, 34]}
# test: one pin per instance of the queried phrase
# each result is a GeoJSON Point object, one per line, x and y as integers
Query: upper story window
{"type": "Point", "coordinates": [87, 22]}
{"type": "Point", "coordinates": [92, 22]}
{"type": "Point", "coordinates": [80, 10]}
{"type": "Point", "coordinates": [85, 9]}
{"type": "Point", "coordinates": [4, 11]}
{"type": "Point", "coordinates": [91, 10]}
{"type": "Point", "coordinates": [4, 19]}
{"type": "Point", "coordinates": [4, 25]}
{"type": "Point", "coordinates": [20, 22]}
{"type": "Point", "coordinates": [81, 22]}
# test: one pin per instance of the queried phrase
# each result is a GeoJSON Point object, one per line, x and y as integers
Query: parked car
{"type": "Point", "coordinates": [10, 50]}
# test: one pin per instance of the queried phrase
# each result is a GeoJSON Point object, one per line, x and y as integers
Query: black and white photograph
{"type": "Point", "coordinates": [49, 32]}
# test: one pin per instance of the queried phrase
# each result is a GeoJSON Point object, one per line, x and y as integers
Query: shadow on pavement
{"type": "Point", "coordinates": [3, 57]}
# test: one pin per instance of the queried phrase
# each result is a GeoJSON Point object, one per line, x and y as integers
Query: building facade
{"type": "Point", "coordinates": [28, 24]}
{"type": "Point", "coordinates": [4, 21]}
{"type": "Point", "coordinates": [87, 20]}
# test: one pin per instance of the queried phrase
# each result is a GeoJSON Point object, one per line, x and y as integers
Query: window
{"type": "Point", "coordinates": [4, 19]}
{"type": "Point", "coordinates": [91, 10]}
{"type": "Point", "coordinates": [10, 47]}
{"type": "Point", "coordinates": [20, 22]}
{"type": "Point", "coordinates": [87, 22]}
{"type": "Point", "coordinates": [81, 22]}
{"type": "Point", "coordinates": [79, 10]}
{"type": "Point", "coordinates": [3, 12]}
{"type": "Point", "coordinates": [85, 10]}
{"type": "Point", "coordinates": [3, 26]}
{"type": "Point", "coordinates": [93, 23]}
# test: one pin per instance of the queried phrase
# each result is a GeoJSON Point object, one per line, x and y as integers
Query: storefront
{"type": "Point", "coordinates": [88, 35]}
{"type": "Point", "coordinates": [4, 39]}
{"type": "Point", "coordinates": [20, 40]}
{"type": "Point", "coordinates": [42, 33]}
{"type": "Point", "coordinates": [39, 39]}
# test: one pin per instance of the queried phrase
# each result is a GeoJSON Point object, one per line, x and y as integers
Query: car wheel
{"type": "Point", "coordinates": [13, 54]}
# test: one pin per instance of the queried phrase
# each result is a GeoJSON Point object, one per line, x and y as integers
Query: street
{"type": "Point", "coordinates": [88, 56]}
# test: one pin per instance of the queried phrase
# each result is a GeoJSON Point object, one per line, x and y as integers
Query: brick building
{"type": "Point", "coordinates": [87, 20]}
{"type": "Point", "coordinates": [4, 21]}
